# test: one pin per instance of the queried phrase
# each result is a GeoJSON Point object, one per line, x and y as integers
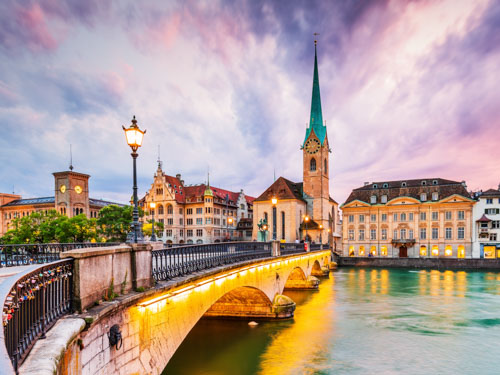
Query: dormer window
{"type": "Point", "coordinates": [434, 182]}
{"type": "Point", "coordinates": [403, 184]}
{"type": "Point", "coordinates": [373, 199]}
{"type": "Point", "coordinates": [435, 196]}
{"type": "Point", "coordinates": [424, 183]}
{"type": "Point", "coordinates": [423, 197]}
{"type": "Point", "coordinates": [375, 186]}
{"type": "Point", "coordinates": [385, 185]}
{"type": "Point", "coordinates": [383, 199]}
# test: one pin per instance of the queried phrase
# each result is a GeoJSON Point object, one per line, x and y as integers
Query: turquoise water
{"type": "Point", "coordinates": [362, 321]}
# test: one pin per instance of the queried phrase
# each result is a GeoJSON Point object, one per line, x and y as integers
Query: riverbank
{"type": "Point", "coordinates": [429, 263]}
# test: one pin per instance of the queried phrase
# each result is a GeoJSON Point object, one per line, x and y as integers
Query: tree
{"type": "Point", "coordinates": [114, 222]}
{"type": "Point", "coordinates": [147, 228]}
{"type": "Point", "coordinates": [39, 227]}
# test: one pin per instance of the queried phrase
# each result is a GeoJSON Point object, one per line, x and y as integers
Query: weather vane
{"type": "Point", "coordinates": [315, 35]}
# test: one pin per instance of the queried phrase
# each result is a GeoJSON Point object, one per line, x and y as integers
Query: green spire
{"type": "Point", "coordinates": [208, 191]}
{"type": "Point", "coordinates": [316, 120]}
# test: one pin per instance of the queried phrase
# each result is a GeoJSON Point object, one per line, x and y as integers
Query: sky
{"type": "Point", "coordinates": [409, 89]}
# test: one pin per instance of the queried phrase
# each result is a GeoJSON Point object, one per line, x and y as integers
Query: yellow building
{"type": "Point", "coordinates": [410, 218]}
{"type": "Point", "coordinates": [304, 210]}
{"type": "Point", "coordinates": [197, 213]}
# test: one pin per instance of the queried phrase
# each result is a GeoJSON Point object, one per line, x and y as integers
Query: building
{"type": "Point", "coordinates": [409, 218]}
{"type": "Point", "coordinates": [486, 224]}
{"type": "Point", "coordinates": [197, 213]}
{"type": "Point", "coordinates": [71, 198]}
{"type": "Point", "coordinates": [298, 211]}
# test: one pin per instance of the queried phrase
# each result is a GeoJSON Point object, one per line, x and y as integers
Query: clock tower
{"type": "Point", "coordinates": [72, 193]}
{"type": "Point", "coordinates": [316, 153]}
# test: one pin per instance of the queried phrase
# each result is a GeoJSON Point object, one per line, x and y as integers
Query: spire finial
{"type": "Point", "coordinates": [315, 39]}
{"type": "Point", "coordinates": [70, 158]}
{"type": "Point", "coordinates": [159, 161]}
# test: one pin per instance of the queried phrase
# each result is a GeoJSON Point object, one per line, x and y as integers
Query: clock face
{"type": "Point", "coordinates": [62, 189]}
{"type": "Point", "coordinates": [312, 146]}
{"type": "Point", "coordinates": [78, 189]}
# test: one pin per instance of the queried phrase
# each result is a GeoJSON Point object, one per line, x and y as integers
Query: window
{"type": "Point", "coordinates": [410, 234]}
{"type": "Point", "coordinates": [384, 234]}
{"type": "Point", "coordinates": [435, 216]}
{"type": "Point", "coordinates": [461, 215]}
{"type": "Point", "coordinates": [448, 251]}
{"type": "Point", "coordinates": [384, 217]}
{"type": "Point", "coordinates": [312, 165]}
{"type": "Point", "coordinates": [395, 234]}
{"type": "Point", "coordinates": [189, 211]}
{"type": "Point", "coordinates": [461, 233]}
{"type": "Point", "coordinates": [373, 234]}
{"type": "Point", "coordinates": [403, 234]}
{"type": "Point", "coordinates": [373, 218]}
{"type": "Point", "coordinates": [208, 220]}
{"type": "Point", "coordinates": [493, 236]}
{"type": "Point", "coordinates": [170, 209]}
{"type": "Point", "coordinates": [403, 184]}
{"type": "Point", "coordinates": [492, 211]}
{"type": "Point", "coordinates": [484, 225]}
{"type": "Point", "coordinates": [435, 233]}
{"type": "Point", "coordinates": [410, 216]}
{"type": "Point", "coordinates": [199, 221]}
{"type": "Point", "coordinates": [423, 216]}
{"type": "Point", "coordinates": [435, 196]}
{"type": "Point", "coordinates": [190, 233]}
{"type": "Point", "coordinates": [326, 169]}
{"type": "Point", "coordinates": [282, 225]}
{"type": "Point", "coordinates": [373, 199]}
{"type": "Point", "coordinates": [403, 217]}
{"type": "Point", "coordinates": [208, 210]}
{"type": "Point", "coordinates": [495, 224]}
{"type": "Point", "coordinates": [434, 182]}
{"type": "Point", "coordinates": [461, 251]}
{"type": "Point", "coordinates": [181, 232]}
{"type": "Point", "coordinates": [199, 210]}
{"type": "Point", "coordinates": [375, 186]}
{"type": "Point", "coordinates": [373, 250]}
{"type": "Point", "coordinates": [395, 217]}
{"type": "Point", "coordinates": [383, 199]}
{"type": "Point", "coordinates": [489, 201]}
{"type": "Point", "coordinates": [435, 250]}
{"type": "Point", "coordinates": [169, 232]}
{"type": "Point", "coordinates": [199, 232]}
{"type": "Point", "coordinates": [423, 233]}
{"type": "Point", "coordinates": [189, 221]}
{"type": "Point", "coordinates": [181, 221]}
{"type": "Point", "coordinates": [383, 250]}
{"type": "Point", "coordinates": [423, 197]}
{"type": "Point", "coordinates": [423, 251]}
{"type": "Point", "coordinates": [361, 234]}
{"type": "Point", "coordinates": [351, 234]}
{"type": "Point", "coordinates": [170, 221]}
{"type": "Point", "coordinates": [447, 215]}
{"type": "Point", "coordinates": [180, 211]}
{"type": "Point", "coordinates": [361, 218]}
{"type": "Point", "coordinates": [351, 218]}
{"type": "Point", "coordinates": [447, 233]}
{"type": "Point", "coordinates": [423, 183]}
{"type": "Point", "coordinates": [361, 251]}
{"type": "Point", "coordinates": [160, 209]}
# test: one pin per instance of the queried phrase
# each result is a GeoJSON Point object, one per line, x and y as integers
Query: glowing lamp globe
{"type": "Point", "coordinates": [134, 135]}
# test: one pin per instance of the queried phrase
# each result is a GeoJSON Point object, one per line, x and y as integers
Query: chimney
{"type": "Point", "coordinates": [464, 184]}
{"type": "Point", "coordinates": [178, 176]}
{"type": "Point", "coordinates": [367, 183]}
{"type": "Point", "coordinates": [182, 182]}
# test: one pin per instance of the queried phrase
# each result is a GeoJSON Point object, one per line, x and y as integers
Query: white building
{"type": "Point", "coordinates": [486, 228]}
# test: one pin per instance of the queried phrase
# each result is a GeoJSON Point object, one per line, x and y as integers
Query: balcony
{"type": "Point", "coordinates": [403, 242]}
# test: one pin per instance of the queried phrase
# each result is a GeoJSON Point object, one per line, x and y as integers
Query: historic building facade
{"type": "Point", "coordinates": [486, 224]}
{"type": "Point", "coordinates": [197, 213]}
{"type": "Point", "coordinates": [411, 218]}
{"type": "Point", "coordinates": [71, 198]}
{"type": "Point", "coordinates": [302, 211]}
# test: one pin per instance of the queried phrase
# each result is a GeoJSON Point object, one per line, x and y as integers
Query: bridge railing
{"type": "Point", "coordinates": [25, 254]}
{"type": "Point", "coordinates": [32, 304]}
{"type": "Point", "coordinates": [171, 262]}
{"type": "Point", "coordinates": [288, 248]}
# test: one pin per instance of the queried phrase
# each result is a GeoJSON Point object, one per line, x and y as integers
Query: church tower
{"type": "Point", "coordinates": [316, 154]}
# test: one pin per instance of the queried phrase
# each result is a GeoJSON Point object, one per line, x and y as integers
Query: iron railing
{"type": "Point", "coordinates": [182, 260]}
{"type": "Point", "coordinates": [33, 305]}
{"type": "Point", "coordinates": [22, 255]}
{"type": "Point", "coordinates": [288, 248]}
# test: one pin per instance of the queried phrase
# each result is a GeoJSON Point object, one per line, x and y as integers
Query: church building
{"type": "Point", "coordinates": [298, 211]}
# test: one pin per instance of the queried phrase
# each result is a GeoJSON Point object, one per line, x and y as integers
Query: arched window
{"type": "Point", "coordinates": [282, 225]}
{"type": "Point", "coordinates": [423, 251]}
{"type": "Point", "coordinates": [312, 165]}
{"type": "Point", "coordinates": [170, 209]}
{"type": "Point", "coordinates": [326, 167]}
{"type": "Point", "coordinates": [160, 209]}
{"type": "Point", "coordinates": [265, 217]}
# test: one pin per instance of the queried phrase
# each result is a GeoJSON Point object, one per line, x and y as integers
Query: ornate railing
{"type": "Point", "coordinates": [182, 260]}
{"type": "Point", "coordinates": [32, 305]}
{"type": "Point", "coordinates": [292, 248]}
{"type": "Point", "coordinates": [21, 255]}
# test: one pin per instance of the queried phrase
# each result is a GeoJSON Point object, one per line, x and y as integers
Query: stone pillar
{"type": "Point", "coordinates": [140, 262]}
{"type": "Point", "coordinates": [276, 250]}
{"type": "Point", "coordinates": [283, 307]}
{"type": "Point", "coordinates": [311, 282]}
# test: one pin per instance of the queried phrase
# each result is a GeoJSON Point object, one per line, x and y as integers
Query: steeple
{"type": "Point", "coordinates": [316, 120]}
{"type": "Point", "coordinates": [208, 191]}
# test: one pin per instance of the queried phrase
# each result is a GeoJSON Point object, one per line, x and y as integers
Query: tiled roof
{"type": "Point", "coordinates": [103, 203]}
{"type": "Point", "coordinates": [180, 191]}
{"type": "Point", "coordinates": [490, 193]}
{"type": "Point", "coordinates": [30, 201]}
{"type": "Point", "coordinates": [282, 189]}
{"type": "Point", "coordinates": [484, 219]}
{"type": "Point", "coordinates": [408, 188]}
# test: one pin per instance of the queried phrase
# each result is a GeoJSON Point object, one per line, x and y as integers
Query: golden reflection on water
{"type": "Point", "coordinates": [304, 343]}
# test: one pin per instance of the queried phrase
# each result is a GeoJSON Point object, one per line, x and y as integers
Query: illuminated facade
{"type": "Point", "coordinates": [303, 210]}
{"type": "Point", "coordinates": [197, 213]}
{"type": "Point", "coordinates": [71, 199]}
{"type": "Point", "coordinates": [411, 218]}
{"type": "Point", "coordinates": [486, 225]}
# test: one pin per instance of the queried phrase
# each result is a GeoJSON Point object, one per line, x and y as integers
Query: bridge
{"type": "Point", "coordinates": [154, 296]}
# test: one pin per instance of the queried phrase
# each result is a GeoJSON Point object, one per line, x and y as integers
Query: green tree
{"type": "Point", "coordinates": [147, 228]}
{"type": "Point", "coordinates": [114, 222]}
{"type": "Point", "coordinates": [38, 227]}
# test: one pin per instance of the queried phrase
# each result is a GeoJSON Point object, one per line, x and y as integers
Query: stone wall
{"type": "Point", "coordinates": [435, 263]}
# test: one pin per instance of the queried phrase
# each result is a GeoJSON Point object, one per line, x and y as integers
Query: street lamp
{"type": "Point", "coordinates": [306, 219]}
{"type": "Point", "coordinates": [152, 205]}
{"type": "Point", "coordinates": [274, 201]}
{"type": "Point", "coordinates": [321, 236]}
{"type": "Point", "coordinates": [134, 137]}
{"type": "Point", "coordinates": [230, 222]}
{"type": "Point", "coordinates": [265, 228]}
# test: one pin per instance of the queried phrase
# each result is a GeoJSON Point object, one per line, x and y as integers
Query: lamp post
{"type": "Point", "coordinates": [274, 201]}
{"type": "Point", "coordinates": [230, 222]}
{"type": "Point", "coordinates": [321, 236]}
{"type": "Point", "coordinates": [306, 220]}
{"type": "Point", "coordinates": [265, 227]}
{"type": "Point", "coordinates": [152, 205]}
{"type": "Point", "coordinates": [134, 139]}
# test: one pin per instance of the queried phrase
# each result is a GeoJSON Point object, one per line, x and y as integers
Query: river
{"type": "Point", "coordinates": [361, 321]}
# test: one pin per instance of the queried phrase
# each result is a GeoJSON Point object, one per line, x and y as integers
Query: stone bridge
{"type": "Point", "coordinates": [154, 323]}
